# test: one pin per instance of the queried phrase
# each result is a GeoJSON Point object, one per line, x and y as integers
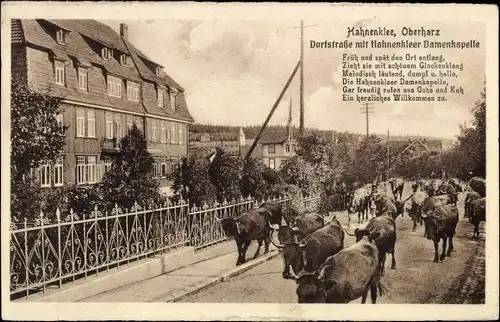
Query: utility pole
{"type": "Point", "coordinates": [388, 155]}
{"type": "Point", "coordinates": [256, 140]}
{"type": "Point", "coordinates": [302, 73]}
{"type": "Point", "coordinates": [367, 110]}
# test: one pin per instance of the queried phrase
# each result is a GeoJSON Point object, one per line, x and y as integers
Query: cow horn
{"type": "Point", "coordinates": [348, 232]}
{"type": "Point", "coordinates": [295, 229]}
{"type": "Point", "coordinates": [424, 215]}
{"type": "Point", "coordinates": [277, 245]}
{"type": "Point", "coordinates": [273, 226]}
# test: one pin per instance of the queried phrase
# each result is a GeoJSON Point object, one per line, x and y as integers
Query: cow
{"type": "Point", "coordinates": [478, 214]}
{"type": "Point", "coordinates": [417, 200]}
{"type": "Point", "coordinates": [449, 189]}
{"type": "Point", "coordinates": [467, 203]}
{"type": "Point", "coordinates": [478, 185]}
{"type": "Point", "coordinates": [382, 230]}
{"type": "Point", "coordinates": [397, 186]}
{"type": "Point", "coordinates": [255, 224]}
{"type": "Point", "coordinates": [309, 253]}
{"type": "Point", "coordinates": [440, 224]}
{"type": "Point", "coordinates": [344, 277]}
{"type": "Point", "coordinates": [330, 203]}
{"type": "Point", "coordinates": [359, 204]}
{"type": "Point", "coordinates": [301, 226]}
{"type": "Point", "coordinates": [456, 183]}
{"type": "Point", "coordinates": [384, 205]}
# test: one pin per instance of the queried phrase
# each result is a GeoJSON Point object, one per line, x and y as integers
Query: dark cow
{"type": "Point", "coordinates": [306, 224]}
{"type": "Point", "coordinates": [441, 224]}
{"type": "Point", "coordinates": [254, 224]}
{"type": "Point", "coordinates": [397, 186]}
{"type": "Point", "coordinates": [344, 277]}
{"type": "Point", "coordinates": [456, 184]}
{"type": "Point", "coordinates": [478, 214]}
{"type": "Point", "coordinates": [471, 196]}
{"type": "Point", "coordinates": [478, 185]}
{"type": "Point", "coordinates": [449, 189]}
{"type": "Point", "coordinates": [382, 230]}
{"type": "Point", "coordinates": [330, 203]}
{"type": "Point", "coordinates": [308, 254]}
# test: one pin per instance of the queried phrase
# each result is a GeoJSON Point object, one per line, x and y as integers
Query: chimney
{"type": "Point", "coordinates": [124, 30]}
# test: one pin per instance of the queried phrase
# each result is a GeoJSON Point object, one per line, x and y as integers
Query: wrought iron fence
{"type": "Point", "coordinates": [45, 253]}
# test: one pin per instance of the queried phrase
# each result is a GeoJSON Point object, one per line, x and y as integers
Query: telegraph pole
{"type": "Point", "coordinates": [388, 155]}
{"type": "Point", "coordinates": [302, 72]}
{"type": "Point", "coordinates": [367, 110]}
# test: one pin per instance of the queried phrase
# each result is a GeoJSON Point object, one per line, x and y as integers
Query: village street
{"type": "Point", "coordinates": [458, 279]}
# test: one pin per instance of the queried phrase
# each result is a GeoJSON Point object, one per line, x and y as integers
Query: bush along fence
{"type": "Point", "coordinates": [46, 254]}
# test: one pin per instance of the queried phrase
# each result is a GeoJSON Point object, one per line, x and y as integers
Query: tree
{"type": "Point", "coordinates": [297, 171]}
{"type": "Point", "coordinates": [314, 148]}
{"type": "Point", "coordinates": [131, 176]}
{"type": "Point", "coordinates": [252, 180]}
{"type": "Point", "coordinates": [36, 139]}
{"type": "Point", "coordinates": [192, 181]}
{"type": "Point", "coordinates": [36, 136]}
{"type": "Point", "coordinates": [225, 173]}
{"type": "Point", "coordinates": [370, 160]}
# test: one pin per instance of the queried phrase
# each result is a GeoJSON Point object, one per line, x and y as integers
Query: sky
{"type": "Point", "coordinates": [233, 71]}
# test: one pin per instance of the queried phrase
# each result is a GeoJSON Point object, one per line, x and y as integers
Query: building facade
{"type": "Point", "coordinates": [276, 148]}
{"type": "Point", "coordinates": [107, 85]}
{"type": "Point", "coordinates": [415, 147]}
{"type": "Point", "coordinates": [230, 142]}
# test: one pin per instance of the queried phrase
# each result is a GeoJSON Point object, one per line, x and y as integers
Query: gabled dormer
{"type": "Point", "coordinates": [172, 94]}
{"type": "Point", "coordinates": [62, 36]}
{"type": "Point", "coordinates": [107, 53]}
{"type": "Point", "coordinates": [125, 60]}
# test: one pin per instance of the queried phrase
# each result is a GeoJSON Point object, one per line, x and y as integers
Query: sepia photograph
{"type": "Point", "coordinates": [188, 154]}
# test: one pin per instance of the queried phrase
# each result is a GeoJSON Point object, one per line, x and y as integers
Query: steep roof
{"type": "Point", "coordinates": [274, 137]}
{"type": "Point", "coordinates": [80, 40]}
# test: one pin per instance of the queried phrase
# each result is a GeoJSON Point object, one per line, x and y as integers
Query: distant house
{"type": "Point", "coordinates": [276, 148]}
{"type": "Point", "coordinates": [234, 144]}
{"type": "Point", "coordinates": [416, 146]}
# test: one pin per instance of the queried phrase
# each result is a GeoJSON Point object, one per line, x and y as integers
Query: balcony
{"type": "Point", "coordinates": [111, 145]}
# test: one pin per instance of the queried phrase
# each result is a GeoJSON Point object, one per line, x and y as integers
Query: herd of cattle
{"type": "Point", "coordinates": [313, 248]}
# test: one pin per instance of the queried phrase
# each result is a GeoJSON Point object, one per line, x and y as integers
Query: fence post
{"type": "Point", "coordinates": [108, 260]}
{"type": "Point", "coordinates": [85, 243]}
{"type": "Point", "coordinates": [26, 264]}
{"type": "Point", "coordinates": [59, 258]}
{"type": "Point", "coordinates": [42, 231]}
{"type": "Point", "coordinates": [96, 245]}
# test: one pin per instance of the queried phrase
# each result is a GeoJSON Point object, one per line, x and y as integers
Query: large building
{"type": "Point", "coordinates": [108, 85]}
{"type": "Point", "coordinates": [414, 147]}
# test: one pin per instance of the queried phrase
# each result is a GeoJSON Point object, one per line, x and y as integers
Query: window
{"type": "Point", "coordinates": [173, 166]}
{"type": "Point", "coordinates": [287, 148]}
{"type": "Point", "coordinates": [173, 94]}
{"type": "Point", "coordinates": [80, 122]}
{"type": "Point", "coordinates": [91, 123]}
{"type": "Point", "coordinates": [61, 36]}
{"type": "Point", "coordinates": [109, 125]}
{"type": "Point", "coordinates": [158, 71]}
{"type": "Point", "coordinates": [181, 135]}
{"type": "Point", "coordinates": [59, 120]}
{"type": "Point", "coordinates": [117, 126]}
{"type": "Point", "coordinates": [107, 163]}
{"type": "Point", "coordinates": [81, 169]}
{"type": "Point", "coordinates": [60, 72]}
{"type": "Point", "coordinates": [91, 169]}
{"type": "Point", "coordinates": [160, 97]}
{"type": "Point", "coordinates": [154, 132]}
{"type": "Point", "coordinates": [271, 163]}
{"type": "Point", "coordinates": [163, 132]}
{"type": "Point", "coordinates": [58, 172]}
{"type": "Point", "coordinates": [155, 168]}
{"type": "Point", "coordinates": [86, 169]}
{"type": "Point", "coordinates": [44, 175]}
{"type": "Point", "coordinates": [271, 148]}
{"type": "Point", "coordinates": [114, 86]}
{"type": "Point", "coordinates": [82, 78]}
{"type": "Point", "coordinates": [130, 122]}
{"type": "Point", "coordinates": [107, 53]}
{"type": "Point", "coordinates": [132, 91]}
{"type": "Point", "coordinates": [172, 133]}
{"type": "Point", "coordinates": [163, 169]}
{"type": "Point", "coordinates": [124, 59]}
